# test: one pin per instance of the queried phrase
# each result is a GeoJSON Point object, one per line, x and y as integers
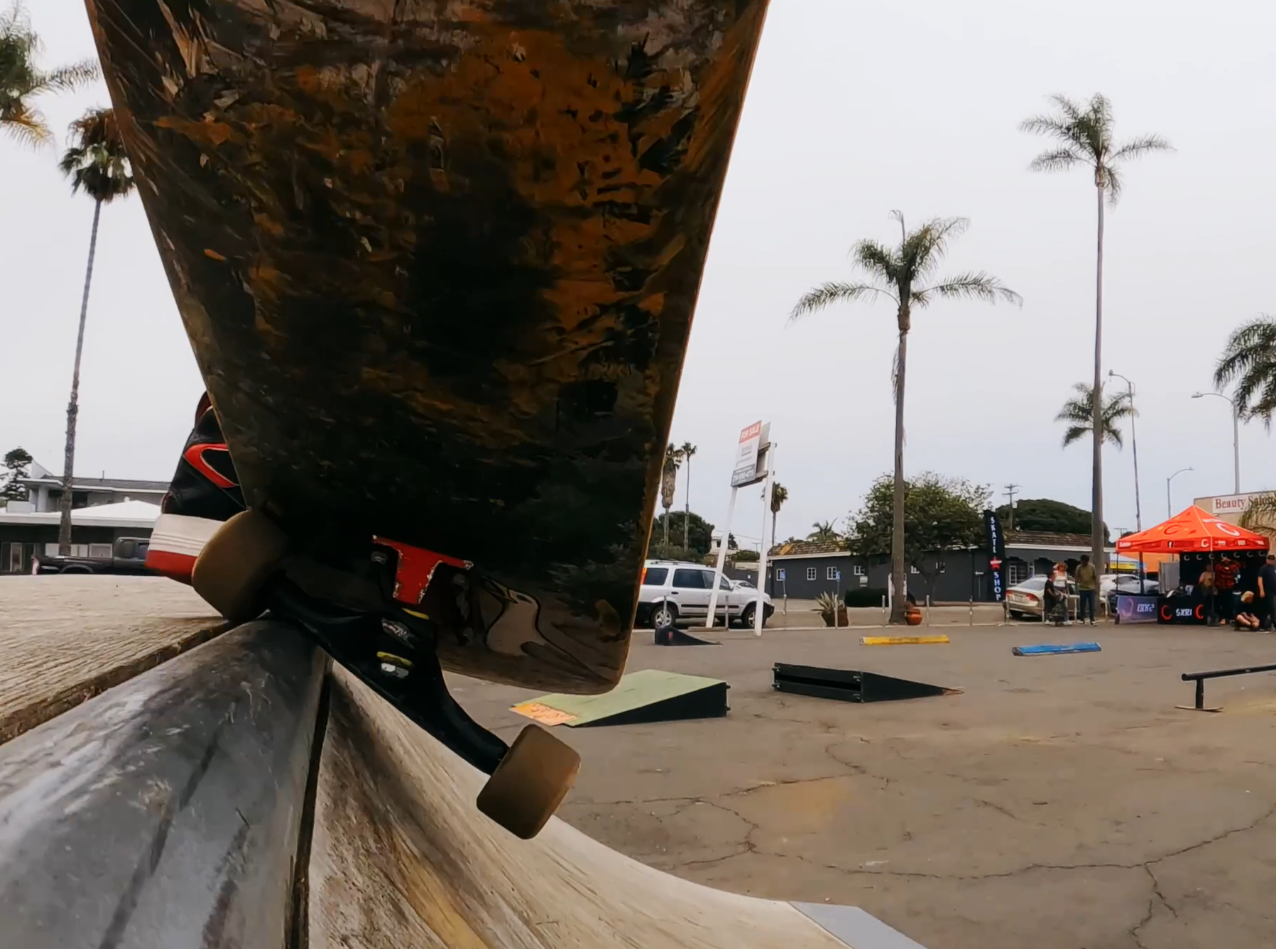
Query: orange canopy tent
{"type": "Point", "coordinates": [1192, 530]}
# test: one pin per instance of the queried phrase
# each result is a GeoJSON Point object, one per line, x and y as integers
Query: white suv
{"type": "Point", "coordinates": [674, 592]}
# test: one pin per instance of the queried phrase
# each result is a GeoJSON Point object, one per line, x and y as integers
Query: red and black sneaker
{"type": "Point", "coordinates": [204, 493]}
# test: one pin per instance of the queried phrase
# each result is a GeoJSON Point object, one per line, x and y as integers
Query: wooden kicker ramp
{"type": "Point", "coordinates": [177, 798]}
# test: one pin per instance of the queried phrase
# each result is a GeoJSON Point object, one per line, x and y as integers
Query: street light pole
{"type": "Point", "coordinates": [1134, 449]}
{"type": "Point", "coordinates": [1236, 436]}
{"type": "Point", "coordinates": [1169, 506]}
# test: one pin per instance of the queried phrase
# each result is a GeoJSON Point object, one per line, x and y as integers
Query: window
{"type": "Point", "coordinates": [103, 551]}
{"type": "Point", "coordinates": [689, 579]}
{"type": "Point", "coordinates": [723, 584]}
{"type": "Point", "coordinates": [859, 569]}
{"type": "Point", "coordinates": [940, 566]}
{"type": "Point", "coordinates": [810, 573]}
{"type": "Point", "coordinates": [655, 576]}
{"type": "Point", "coordinates": [830, 573]}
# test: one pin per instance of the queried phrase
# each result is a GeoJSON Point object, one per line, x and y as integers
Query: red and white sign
{"type": "Point", "coordinates": [745, 469]}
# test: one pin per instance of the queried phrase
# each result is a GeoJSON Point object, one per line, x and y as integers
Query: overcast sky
{"type": "Point", "coordinates": [854, 110]}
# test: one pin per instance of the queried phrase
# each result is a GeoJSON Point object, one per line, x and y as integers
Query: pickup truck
{"type": "Point", "coordinates": [128, 555]}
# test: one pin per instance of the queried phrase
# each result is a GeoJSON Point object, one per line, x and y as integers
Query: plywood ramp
{"type": "Point", "coordinates": [65, 639]}
{"type": "Point", "coordinates": [402, 859]}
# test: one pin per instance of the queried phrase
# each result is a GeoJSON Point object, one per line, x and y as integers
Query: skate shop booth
{"type": "Point", "coordinates": [1199, 539]}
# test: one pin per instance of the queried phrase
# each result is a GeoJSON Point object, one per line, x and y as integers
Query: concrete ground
{"type": "Point", "coordinates": [1059, 802]}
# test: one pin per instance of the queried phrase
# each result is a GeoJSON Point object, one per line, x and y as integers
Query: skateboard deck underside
{"type": "Point", "coordinates": [438, 262]}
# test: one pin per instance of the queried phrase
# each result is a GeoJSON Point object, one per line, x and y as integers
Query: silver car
{"type": "Point", "coordinates": [1028, 599]}
{"type": "Point", "coordinates": [675, 593]}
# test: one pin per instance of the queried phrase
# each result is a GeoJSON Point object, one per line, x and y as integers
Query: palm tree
{"type": "Point", "coordinates": [22, 81]}
{"type": "Point", "coordinates": [1249, 360]}
{"type": "Point", "coordinates": [669, 482]}
{"type": "Point", "coordinates": [1078, 413]}
{"type": "Point", "coordinates": [1083, 136]}
{"type": "Point", "coordinates": [97, 164]}
{"type": "Point", "coordinates": [779, 494]}
{"type": "Point", "coordinates": [687, 450]}
{"type": "Point", "coordinates": [823, 532]}
{"type": "Point", "coordinates": [905, 275]}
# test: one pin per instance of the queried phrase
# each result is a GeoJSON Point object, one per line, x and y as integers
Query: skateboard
{"type": "Point", "coordinates": [437, 262]}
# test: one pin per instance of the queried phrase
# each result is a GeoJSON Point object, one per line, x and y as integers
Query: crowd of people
{"type": "Point", "coordinates": [1232, 597]}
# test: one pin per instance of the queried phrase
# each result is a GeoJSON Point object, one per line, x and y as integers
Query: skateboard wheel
{"type": "Point", "coordinates": [530, 782]}
{"type": "Point", "coordinates": [236, 562]}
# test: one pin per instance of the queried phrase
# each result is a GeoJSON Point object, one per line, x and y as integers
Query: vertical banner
{"type": "Point", "coordinates": [996, 555]}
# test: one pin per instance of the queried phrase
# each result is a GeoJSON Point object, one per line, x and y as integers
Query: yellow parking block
{"type": "Point", "coordinates": [902, 640]}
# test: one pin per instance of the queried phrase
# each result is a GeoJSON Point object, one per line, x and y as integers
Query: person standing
{"type": "Point", "coordinates": [1087, 587]}
{"type": "Point", "coordinates": [1055, 605]}
{"type": "Point", "coordinates": [1205, 588]}
{"type": "Point", "coordinates": [1267, 591]}
{"type": "Point", "coordinates": [1225, 574]}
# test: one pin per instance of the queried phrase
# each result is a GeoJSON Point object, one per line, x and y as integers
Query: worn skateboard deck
{"type": "Point", "coordinates": [438, 261]}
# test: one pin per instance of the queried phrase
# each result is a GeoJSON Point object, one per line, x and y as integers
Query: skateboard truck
{"type": "Point", "coordinates": [359, 617]}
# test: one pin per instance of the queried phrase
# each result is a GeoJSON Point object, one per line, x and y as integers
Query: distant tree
{"type": "Point", "coordinates": [940, 513]}
{"type": "Point", "coordinates": [687, 450]}
{"type": "Point", "coordinates": [698, 531]}
{"type": "Point", "coordinates": [732, 543]}
{"type": "Point", "coordinates": [1077, 413]}
{"type": "Point", "coordinates": [823, 532]}
{"type": "Point", "coordinates": [747, 556]}
{"type": "Point", "coordinates": [97, 164]}
{"type": "Point", "coordinates": [905, 275]}
{"type": "Point", "coordinates": [16, 462]}
{"type": "Point", "coordinates": [1051, 517]}
{"type": "Point", "coordinates": [1083, 135]}
{"type": "Point", "coordinates": [669, 484]}
{"type": "Point", "coordinates": [779, 494]}
{"type": "Point", "coordinates": [22, 80]}
{"type": "Point", "coordinates": [1249, 360]}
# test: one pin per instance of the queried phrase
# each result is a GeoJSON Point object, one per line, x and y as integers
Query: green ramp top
{"type": "Point", "coordinates": [646, 696]}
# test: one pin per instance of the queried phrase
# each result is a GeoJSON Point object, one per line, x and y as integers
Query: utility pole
{"type": "Point", "coordinates": [1010, 493]}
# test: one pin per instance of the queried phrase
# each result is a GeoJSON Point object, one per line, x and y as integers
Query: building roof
{"type": "Point", "coordinates": [123, 514]}
{"type": "Point", "coordinates": [1049, 539]}
{"type": "Point", "coordinates": [41, 475]}
{"type": "Point", "coordinates": [808, 548]}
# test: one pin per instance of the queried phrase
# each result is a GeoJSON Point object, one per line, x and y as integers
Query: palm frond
{"type": "Point", "coordinates": [28, 127]}
{"type": "Point", "coordinates": [825, 295]}
{"type": "Point", "coordinates": [1249, 360]}
{"type": "Point", "coordinates": [69, 78]}
{"type": "Point", "coordinates": [1138, 147]}
{"type": "Point", "coordinates": [1059, 159]}
{"type": "Point", "coordinates": [878, 261]}
{"type": "Point", "coordinates": [1075, 433]}
{"type": "Point", "coordinates": [96, 161]}
{"type": "Point", "coordinates": [969, 286]}
{"type": "Point", "coordinates": [923, 250]}
{"type": "Point", "coordinates": [1078, 411]}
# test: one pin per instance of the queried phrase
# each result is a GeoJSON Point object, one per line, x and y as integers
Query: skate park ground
{"type": "Point", "coordinates": [1060, 802]}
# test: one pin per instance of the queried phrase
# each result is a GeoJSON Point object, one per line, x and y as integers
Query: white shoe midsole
{"type": "Point", "coordinates": [180, 534]}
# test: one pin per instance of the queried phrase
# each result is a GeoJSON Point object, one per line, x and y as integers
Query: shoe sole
{"type": "Point", "coordinates": [176, 542]}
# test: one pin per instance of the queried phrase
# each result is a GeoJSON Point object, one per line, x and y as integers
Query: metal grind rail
{"type": "Point", "coordinates": [1200, 677]}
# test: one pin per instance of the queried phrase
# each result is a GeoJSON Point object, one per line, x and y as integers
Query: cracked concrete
{"type": "Point", "coordinates": [1059, 802]}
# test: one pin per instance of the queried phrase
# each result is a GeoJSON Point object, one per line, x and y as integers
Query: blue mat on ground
{"type": "Point", "coordinates": [1056, 650]}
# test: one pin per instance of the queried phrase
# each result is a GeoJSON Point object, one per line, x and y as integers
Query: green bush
{"type": "Point", "coordinates": [863, 596]}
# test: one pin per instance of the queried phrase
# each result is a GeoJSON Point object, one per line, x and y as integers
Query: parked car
{"type": "Point", "coordinates": [1129, 585]}
{"type": "Point", "coordinates": [678, 593]}
{"type": "Point", "coordinates": [128, 555]}
{"type": "Point", "coordinates": [1027, 599]}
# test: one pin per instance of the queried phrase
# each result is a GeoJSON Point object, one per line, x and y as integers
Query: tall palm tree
{"type": "Point", "coordinates": [1078, 413]}
{"type": "Point", "coordinates": [687, 450]}
{"type": "Point", "coordinates": [905, 275]}
{"type": "Point", "coordinates": [779, 494]}
{"type": "Point", "coordinates": [22, 81]}
{"type": "Point", "coordinates": [97, 164]}
{"type": "Point", "coordinates": [1083, 136]}
{"type": "Point", "coordinates": [1249, 360]}
{"type": "Point", "coordinates": [669, 482]}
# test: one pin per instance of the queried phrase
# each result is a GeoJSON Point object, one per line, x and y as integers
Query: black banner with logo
{"type": "Point", "coordinates": [996, 555]}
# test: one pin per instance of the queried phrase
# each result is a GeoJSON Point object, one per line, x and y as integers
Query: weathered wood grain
{"type": "Point", "coordinates": [438, 263]}
{"type": "Point", "coordinates": [65, 639]}
{"type": "Point", "coordinates": [400, 857]}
